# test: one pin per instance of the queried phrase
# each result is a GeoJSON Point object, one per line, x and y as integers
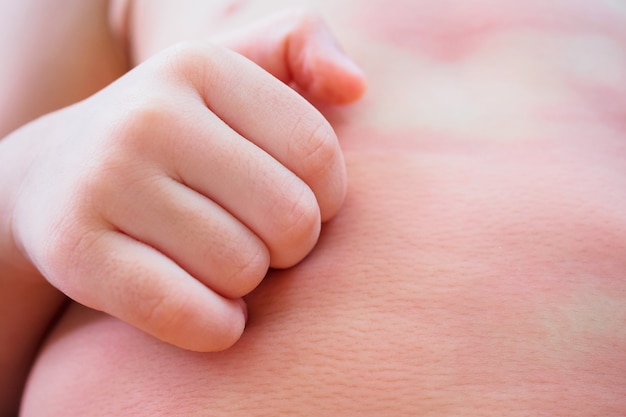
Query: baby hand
{"type": "Point", "coordinates": [164, 198]}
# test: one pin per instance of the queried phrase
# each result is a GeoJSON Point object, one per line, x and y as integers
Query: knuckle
{"type": "Point", "coordinates": [299, 224]}
{"type": "Point", "coordinates": [301, 211]}
{"type": "Point", "coordinates": [70, 254]}
{"type": "Point", "coordinates": [148, 311]}
{"type": "Point", "coordinates": [249, 267]}
{"type": "Point", "coordinates": [142, 117]}
{"type": "Point", "coordinates": [318, 151]}
{"type": "Point", "coordinates": [158, 311]}
{"type": "Point", "coordinates": [193, 61]}
{"type": "Point", "coordinates": [147, 129]}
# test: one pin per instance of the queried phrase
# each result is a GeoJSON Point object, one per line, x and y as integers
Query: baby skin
{"type": "Point", "coordinates": [476, 266]}
{"type": "Point", "coordinates": [165, 197]}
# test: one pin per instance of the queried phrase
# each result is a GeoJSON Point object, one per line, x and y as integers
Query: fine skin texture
{"type": "Point", "coordinates": [477, 265]}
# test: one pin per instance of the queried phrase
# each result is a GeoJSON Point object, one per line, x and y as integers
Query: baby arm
{"type": "Point", "coordinates": [47, 63]}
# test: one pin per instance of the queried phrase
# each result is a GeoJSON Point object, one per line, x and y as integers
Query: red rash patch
{"type": "Point", "coordinates": [233, 7]}
{"type": "Point", "coordinates": [451, 29]}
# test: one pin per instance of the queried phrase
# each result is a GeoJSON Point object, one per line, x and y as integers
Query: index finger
{"type": "Point", "coordinates": [271, 115]}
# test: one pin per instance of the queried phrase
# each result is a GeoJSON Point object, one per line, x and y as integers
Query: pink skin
{"type": "Point", "coordinates": [233, 7]}
{"type": "Point", "coordinates": [181, 183]}
{"type": "Point", "coordinates": [476, 307]}
{"type": "Point", "coordinates": [477, 265]}
{"type": "Point", "coordinates": [449, 30]}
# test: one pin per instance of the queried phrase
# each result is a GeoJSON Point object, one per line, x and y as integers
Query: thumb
{"type": "Point", "coordinates": [297, 48]}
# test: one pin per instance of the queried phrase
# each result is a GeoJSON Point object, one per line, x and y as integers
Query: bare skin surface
{"type": "Point", "coordinates": [477, 266]}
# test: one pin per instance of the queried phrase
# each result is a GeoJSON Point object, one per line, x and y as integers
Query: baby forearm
{"type": "Point", "coordinates": [150, 26]}
{"type": "Point", "coordinates": [58, 60]}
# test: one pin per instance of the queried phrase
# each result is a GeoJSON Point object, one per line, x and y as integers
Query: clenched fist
{"type": "Point", "coordinates": [164, 198]}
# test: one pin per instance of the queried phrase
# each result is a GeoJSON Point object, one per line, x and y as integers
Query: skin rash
{"type": "Point", "coordinates": [477, 267]}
